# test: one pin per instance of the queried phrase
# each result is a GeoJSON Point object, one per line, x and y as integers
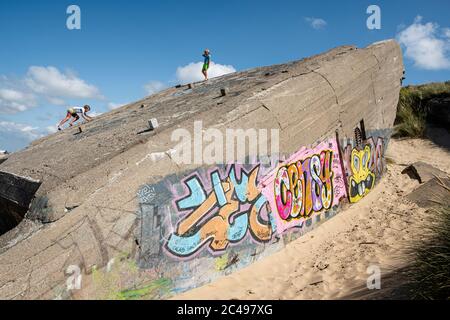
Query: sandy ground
{"type": "Point", "coordinates": [331, 261]}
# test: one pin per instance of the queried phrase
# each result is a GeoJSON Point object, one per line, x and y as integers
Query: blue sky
{"type": "Point", "coordinates": [127, 49]}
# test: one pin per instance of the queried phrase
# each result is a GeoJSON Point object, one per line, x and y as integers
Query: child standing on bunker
{"type": "Point", "coordinates": [205, 68]}
{"type": "Point", "coordinates": [73, 113]}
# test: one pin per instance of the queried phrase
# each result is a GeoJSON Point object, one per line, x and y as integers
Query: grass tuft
{"type": "Point", "coordinates": [412, 109]}
{"type": "Point", "coordinates": [429, 273]}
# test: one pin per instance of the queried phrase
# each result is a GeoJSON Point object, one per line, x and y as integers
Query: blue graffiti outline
{"type": "Point", "coordinates": [176, 245]}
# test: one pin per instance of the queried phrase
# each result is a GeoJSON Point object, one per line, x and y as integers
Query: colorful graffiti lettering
{"type": "Point", "coordinates": [211, 210]}
{"type": "Point", "coordinates": [223, 216]}
{"type": "Point", "coordinates": [376, 158]}
{"type": "Point", "coordinates": [362, 166]}
{"type": "Point", "coordinates": [305, 186]}
{"type": "Point", "coordinates": [311, 182]}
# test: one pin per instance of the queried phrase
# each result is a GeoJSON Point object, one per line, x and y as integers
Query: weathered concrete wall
{"type": "Point", "coordinates": [16, 194]}
{"type": "Point", "coordinates": [202, 224]}
{"type": "Point", "coordinates": [3, 158]}
{"type": "Point", "coordinates": [127, 216]}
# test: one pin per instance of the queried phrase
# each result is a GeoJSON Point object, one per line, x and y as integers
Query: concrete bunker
{"type": "Point", "coordinates": [128, 187]}
{"type": "Point", "coordinates": [16, 193]}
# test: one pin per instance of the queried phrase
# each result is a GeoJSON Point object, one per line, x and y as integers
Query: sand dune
{"type": "Point", "coordinates": [331, 261]}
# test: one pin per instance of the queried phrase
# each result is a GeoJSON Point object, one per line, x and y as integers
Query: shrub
{"type": "Point", "coordinates": [412, 108]}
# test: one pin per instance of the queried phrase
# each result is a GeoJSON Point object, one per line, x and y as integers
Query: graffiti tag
{"type": "Point", "coordinates": [221, 216]}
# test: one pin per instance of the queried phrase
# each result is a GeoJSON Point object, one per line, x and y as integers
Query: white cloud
{"type": "Point", "coordinates": [193, 71]}
{"type": "Point", "coordinates": [154, 86]}
{"type": "Point", "coordinates": [56, 101]}
{"type": "Point", "coordinates": [316, 23]}
{"type": "Point", "coordinates": [50, 82]}
{"type": "Point", "coordinates": [43, 83]}
{"type": "Point", "coordinates": [13, 101]}
{"type": "Point", "coordinates": [113, 105]}
{"type": "Point", "coordinates": [51, 129]}
{"type": "Point", "coordinates": [425, 46]}
{"type": "Point", "coordinates": [24, 130]}
{"type": "Point", "coordinates": [446, 32]}
{"type": "Point", "coordinates": [95, 113]}
{"type": "Point", "coordinates": [17, 135]}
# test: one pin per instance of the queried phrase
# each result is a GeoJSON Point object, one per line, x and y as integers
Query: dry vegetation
{"type": "Point", "coordinates": [412, 110]}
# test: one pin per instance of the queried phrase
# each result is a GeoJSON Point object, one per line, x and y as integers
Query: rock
{"type": "Point", "coordinates": [153, 124]}
{"type": "Point", "coordinates": [423, 172]}
{"type": "Point", "coordinates": [432, 193]}
{"type": "Point", "coordinates": [3, 158]}
{"type": "Point", "coordinates": [16, 194]}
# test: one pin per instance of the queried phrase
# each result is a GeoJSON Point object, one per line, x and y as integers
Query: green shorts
{"type": "Point", "coordinates": [205, 67]}
{"type": "Point", "coordinates": [72, 112]}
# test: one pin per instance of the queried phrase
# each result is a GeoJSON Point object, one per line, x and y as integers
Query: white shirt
{"type": "Point", "coordinates": [79, 110]}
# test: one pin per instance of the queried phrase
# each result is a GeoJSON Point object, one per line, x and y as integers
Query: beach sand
{"type": "Point", "coordinates": [331, 261]}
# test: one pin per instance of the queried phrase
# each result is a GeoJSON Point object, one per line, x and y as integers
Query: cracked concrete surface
{"type": "Point", "coordinates": [98, 173]}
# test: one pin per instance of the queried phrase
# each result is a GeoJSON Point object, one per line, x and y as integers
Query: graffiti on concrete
{"type": "Point", "coordinates": [362, 179]}
{"type": "Point", "coordinates": [305, 186]}
{"type": "Point", "coordinates": [237, 205]}
{"type": "Point", "coordinates": [362, 165]}
{"type": "Point", "coordinates": [222, 214]}
{"type": "Point", "coordinates": [310, 181]}
{"type": "Point", "coordinates": [376, 158]}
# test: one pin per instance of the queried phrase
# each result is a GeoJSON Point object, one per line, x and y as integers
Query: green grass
{"type": "Point", "coordinates": [147, 291]}
{"type": "Point", "coordinates": [413, 108]}
{"type": "Point", "coordinates": [429, 274]}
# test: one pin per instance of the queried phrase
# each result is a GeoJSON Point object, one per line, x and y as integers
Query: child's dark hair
{"type": "Point", "coordinates": [87, 107]}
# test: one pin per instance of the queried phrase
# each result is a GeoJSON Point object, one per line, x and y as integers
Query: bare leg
{"type": "Point", "coordinates": [65, 119]}
{"type": "Point", "coordinates": [75, 119]}
{"type": "Point", "coordinates": [205, 73]}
